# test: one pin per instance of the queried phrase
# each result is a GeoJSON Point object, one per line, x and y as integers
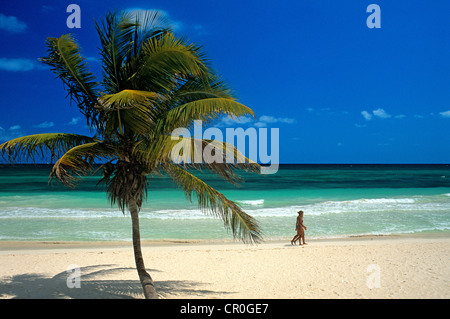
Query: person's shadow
{"type": "Point", "coordinates": [37, 286]}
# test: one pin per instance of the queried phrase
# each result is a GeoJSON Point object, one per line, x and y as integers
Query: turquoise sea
{"type": "Point", "coordinates": [337, 200]}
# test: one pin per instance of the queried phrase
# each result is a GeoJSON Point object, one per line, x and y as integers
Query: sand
{"type": "Point", "coordinates": [367, 267]}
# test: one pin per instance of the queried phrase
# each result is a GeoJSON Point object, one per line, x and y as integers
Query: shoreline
{"type": "Point", "coordinates": [27, 246]}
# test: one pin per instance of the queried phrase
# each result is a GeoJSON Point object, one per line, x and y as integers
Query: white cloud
{"type": "Point", "coordinates": [20, 65]}
{"type": "Point", "coordinates": [44, 125]}
{"type": "Point", "coordinates": [266, 119]}
{"type": "Point", "coordinates": [271, 119]}
{"type": "Point", "coordinates": [445, 114]}
{"type": "Point", "coordinates": [231, 121]}
{"type": "Point", "coordinates": [381, 113]}
{"type": "Point", "coordinates": [12, 24]}
{"type": "Point", "coordinates": [366, 115]}
{"type": "Point", "coordinates": [13, 132]}
{"type": "Point", "coordinates": [261, 122]}
{"type": "Point", "coordinates": [74, 121]}
{"type": "Point", "coordinates": [15, 128]}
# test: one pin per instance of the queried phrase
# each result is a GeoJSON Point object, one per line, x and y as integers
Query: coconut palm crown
{"type": "Point", "coordinates": [153, 82]}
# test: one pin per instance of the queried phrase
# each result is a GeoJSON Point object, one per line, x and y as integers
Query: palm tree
{"type": "Point", "coordinates": [153, 82]}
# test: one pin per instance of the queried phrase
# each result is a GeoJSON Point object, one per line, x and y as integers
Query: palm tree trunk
{"type": "Point", "coordinates": [146, 280]}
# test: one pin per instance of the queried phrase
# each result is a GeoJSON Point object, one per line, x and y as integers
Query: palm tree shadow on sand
{"type": "Point", "coordinates": [38, 286]}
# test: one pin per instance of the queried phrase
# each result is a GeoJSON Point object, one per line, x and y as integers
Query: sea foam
{"type": "Point", "coordinates": [255, 208]}
{"type": "Point", "coordinates": [256, 202]}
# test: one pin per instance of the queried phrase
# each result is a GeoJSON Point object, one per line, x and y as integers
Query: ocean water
{"type": "Point", "coordinates": [337, 200]}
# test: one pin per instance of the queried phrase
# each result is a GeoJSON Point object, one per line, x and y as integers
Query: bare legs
{"type": "Point", "coordinates": [300, 237]}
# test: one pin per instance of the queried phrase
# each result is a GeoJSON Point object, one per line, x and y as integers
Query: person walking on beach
{"type": "Point", "coordinates": [300, 228]}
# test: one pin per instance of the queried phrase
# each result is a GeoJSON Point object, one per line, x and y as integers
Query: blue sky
{"type": "Point", "coordinates": [338, 91]}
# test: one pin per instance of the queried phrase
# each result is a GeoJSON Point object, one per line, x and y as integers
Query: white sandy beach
{"type": "Point", "coordinates": [416, 267]}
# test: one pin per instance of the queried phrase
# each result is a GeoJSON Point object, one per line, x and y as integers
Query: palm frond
{"type": "Point", "coordinates": [78, 161]}
{"type": "Point", "coordinates": [65, 60]}
{"type": "Point", "coordinates": [205, 110]}
{"type": "Point", "coordinates": [165, 60]}
{"type": "Point", "coordinates": [242, 225]}
{"type": "Point", "coordinates": [41, 146]}
{"type": "Point", "coordinates": [219, 157]}
{"type": "Point", "coordinates": [197, 88]}
{"type": "Point", "coordinates": [116, 38]}
{"type": "Point", "coordinates": [149, 24]}
{"type": "Point", "coordinates": [193, 89]}
{"type": "Point", "coordinates": [129, 112]}
{"type": "Point", "coordinates": [127, 98]}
